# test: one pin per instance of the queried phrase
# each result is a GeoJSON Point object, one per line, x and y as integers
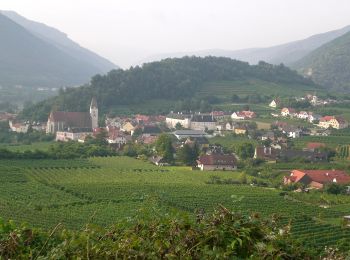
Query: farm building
{"type": "Point", "coordinates": [214, 162]}
{"type": "Point", "coordinates": [317, 178]}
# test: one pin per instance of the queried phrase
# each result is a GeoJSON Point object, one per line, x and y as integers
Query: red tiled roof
{"type": "Point", "coordinates": [322, 176]}
{"type": "Point", "coordinates": [217, 159]}
{"type": "Point", "coordinates": [315, 145]}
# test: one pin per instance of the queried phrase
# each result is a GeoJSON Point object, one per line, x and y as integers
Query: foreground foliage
{"type": "Point", "coordinates": [221, 235]}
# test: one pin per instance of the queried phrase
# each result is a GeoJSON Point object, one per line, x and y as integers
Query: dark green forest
{"type": "Point", "coordinates": [170, 79]}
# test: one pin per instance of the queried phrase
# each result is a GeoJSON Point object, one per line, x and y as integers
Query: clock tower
{"type": "Point", "coordinates": [94, 113]}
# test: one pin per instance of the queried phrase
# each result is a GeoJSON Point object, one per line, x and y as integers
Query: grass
{"type": "Point", "coordinates": [43, 146]}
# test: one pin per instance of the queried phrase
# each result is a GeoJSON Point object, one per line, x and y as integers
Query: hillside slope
{"type": "Point", "coordinates": [329, 65]}
{"type": "Point", "coordinates": [285, 53]}
{"type": "Point", "coordinates": [61, 41]}
{"type": "Point", "coordinates": [170, 80]}
{"type": "Point", "coordinates": [30, 61]}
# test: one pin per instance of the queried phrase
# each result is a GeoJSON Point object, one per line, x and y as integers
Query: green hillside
{"type": "Point", "coordinates": [329, 65]}
{"type": "Point", "coordinates": [171, 80]}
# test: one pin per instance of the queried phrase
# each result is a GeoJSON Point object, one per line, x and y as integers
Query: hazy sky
{"type": "Point", "coordinates": [126, 31]}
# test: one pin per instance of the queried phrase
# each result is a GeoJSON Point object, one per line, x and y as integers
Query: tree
{"type": "Point", "coordinates": [187, 154]}
{"type": "Point", "coordinates": [245, 151]}
{"type": "Point", "coordinates": [165, 148]}
{"type": "Point", "coordinates": [178, 126]}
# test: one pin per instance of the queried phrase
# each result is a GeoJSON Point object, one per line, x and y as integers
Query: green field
{"type": "Point", "coordinates": [43, 146]}
{"type": "Point", "coordinates": [105, 190]}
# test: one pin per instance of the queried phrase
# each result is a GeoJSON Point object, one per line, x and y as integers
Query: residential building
{"type": "Point", "coordinates": [173, 119]}
{"type": "Point", "coordinates": [202, 122]}
{"type": "Point", "coordinates": [243, 115]}
{"type": "Point", "coordinates": [74, 134]}
{"type": "Point", "coordinates": [212, 162]}
{"type": "Point", "coordinates": [268, 154]}
{"type": "Point", "coordinates": [19, 127]}
{"type": "Point", "coordinates": [335, 122]}
{"type": "Point", "coordinates": [275, 103]}
{"type": "Point", "coordinates": [317, 178]}
{"type": "Point", "coordinates": [287, 111]}
{"type": "Point", "coordinates": [240, 131]}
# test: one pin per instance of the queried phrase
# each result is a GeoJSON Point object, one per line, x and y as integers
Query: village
{"type": "Point", "coordinates": [273, 142]}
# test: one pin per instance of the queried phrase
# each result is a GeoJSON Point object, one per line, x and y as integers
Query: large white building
{"type": "Point", "coordinates": [201, 122]}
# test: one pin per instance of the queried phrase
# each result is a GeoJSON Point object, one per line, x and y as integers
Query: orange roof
{"type": "Point", "coordinates": [322, 176]}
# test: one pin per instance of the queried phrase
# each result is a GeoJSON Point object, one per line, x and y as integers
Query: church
{"type": "Point", "coordinates": [60, 121]}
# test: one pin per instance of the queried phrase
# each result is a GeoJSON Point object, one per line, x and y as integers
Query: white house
{"type": "Point", "coordinates": [287, 111]}
{"type": "Point", "coordinates": [274, 103]}
{"type": "Point", "coordinates": [303, 115]}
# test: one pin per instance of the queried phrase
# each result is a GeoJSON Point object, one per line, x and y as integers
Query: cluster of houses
{"type": "Point", "coordinates": [326, 122]}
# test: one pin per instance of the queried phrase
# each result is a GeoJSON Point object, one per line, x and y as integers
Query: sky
{"type": "Point", "coordinates": [128, 31]}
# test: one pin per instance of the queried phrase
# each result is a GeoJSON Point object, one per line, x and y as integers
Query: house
{"type": "Point", "coordinates": [275, 103]}
{"type": "Point", "coordinates": [242, 115]}
{"type": "Point", "coordinates": [313, 117]}
{"type": "Point", "coordinates": [174, 119]}
{"type": "Point", "coordinates": [61, 121]}
{"type": "Point", "coordinates": [230, 126]}
{"type": "Point", "coordinates": [287, 111]}
{"type": "Point", "coordinates": [74, 134]}
{"type": "Point", "coordinates": [128, 127]}
{"type": "Point", "coordinates": [212, 162]}
{"type": "Point", "coordinates": [147, 139]}
{"type": "Point", "coordinates": [335, 122]}
{"type": "Point", "coordinates": [240, 131]}
{"type": "Point", "coordinates": [183, 134]}
{"type": "Point", "coordinates": [159, 161]}
{"type": "Point", "coordinates": [268, 154]}
{"type": "Point", "coordinates": [218, 114]}
{"type": "Point", "coordinates": [118, 137]}
{"type": "Point", "coordinates": [291, 131]}
{"type": "Point", "coordinates": [317, 178]}
{"type": "Point", "coordinates": [19, 127]}
{"type": "Point", "coordinates": [202, 122]}
{"type": "Point", "coordinates": [269, 135]}
{"type": "Point", "coordinates": [303, 115]}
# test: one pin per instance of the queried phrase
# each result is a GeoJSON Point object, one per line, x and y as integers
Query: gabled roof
{"type": "Point", "coordinates": [72, 119]}
{"type": "Point", "coordinates": [203, 118]}
{"type": "Point", "coordinates": [321, 176]}
{"type": "Point", "coordinates": [217, 159]}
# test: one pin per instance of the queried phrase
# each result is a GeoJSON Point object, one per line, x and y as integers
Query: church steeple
{"type": "Point", "coordinates": [94, 113]}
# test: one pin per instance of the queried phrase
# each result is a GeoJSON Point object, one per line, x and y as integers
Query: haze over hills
{"type": "Point", "coordinates": [35, 55]}
{"type": "Point", "coordinates": [285, 53]}
{"type": "Point", "coordinates": [329, 65]}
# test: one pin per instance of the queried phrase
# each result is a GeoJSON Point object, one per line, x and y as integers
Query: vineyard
{"type": "Point", "coordinates": [105, 190]}
{"type": "Point", "coordinates": [343, 151]}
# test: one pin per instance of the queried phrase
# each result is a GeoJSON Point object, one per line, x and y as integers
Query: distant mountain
{"type": "Point", "coordinates": [35, 55]}
{"type": "Point", "coordinates": [329, 65]}
{"type": "Point", "coordinates": [285, 53]}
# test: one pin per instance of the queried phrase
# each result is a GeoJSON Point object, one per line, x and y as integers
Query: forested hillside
{"type": "Point", "coordinates": [329, 65]}
{"type": "Point", "coordinates": [170, 79]}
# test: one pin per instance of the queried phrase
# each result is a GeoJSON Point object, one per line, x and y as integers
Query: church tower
{"type": "Point", "coordinates": [94, 113]}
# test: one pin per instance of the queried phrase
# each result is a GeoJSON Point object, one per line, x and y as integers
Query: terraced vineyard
{"type": "Point", "coordinates": [105, 190]}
